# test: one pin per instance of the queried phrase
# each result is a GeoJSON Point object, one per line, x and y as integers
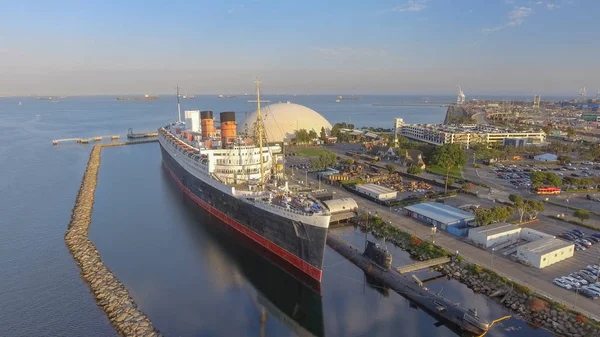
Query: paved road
{"type": "Point", "coordinates": [520, 273]}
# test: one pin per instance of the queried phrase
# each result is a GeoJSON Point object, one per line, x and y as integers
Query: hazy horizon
{"type": "Point", "coordinates": [422, 47]}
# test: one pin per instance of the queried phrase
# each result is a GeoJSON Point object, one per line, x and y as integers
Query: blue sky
{"type": "Point", "coordinates": [387, 47]}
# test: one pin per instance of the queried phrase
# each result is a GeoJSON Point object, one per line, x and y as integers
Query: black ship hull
{"type": "Point", "coordinates": [301, 255]}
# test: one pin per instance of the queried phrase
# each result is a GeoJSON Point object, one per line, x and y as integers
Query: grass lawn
{"type": "Point", "coordinates": [309, 151]}
{"type": "Point", "coordinates": [455, 172]}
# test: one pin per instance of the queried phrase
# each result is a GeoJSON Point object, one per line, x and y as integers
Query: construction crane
{"type": "Point", "coordinates": [598, 95]}
{"type": "Point", "coordinates": [460, 99]}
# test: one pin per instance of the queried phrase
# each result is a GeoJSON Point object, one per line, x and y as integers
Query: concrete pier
{"type": "Point", "coordinates": [423, 264]}
{"type": "Point", "coordinates": [110, 294]}
{"type": "Point", "coordinates": [84, 140]}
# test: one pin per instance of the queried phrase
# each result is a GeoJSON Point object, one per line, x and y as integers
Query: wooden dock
{"type": "Point", "coordinates": [423, 264]}
{"type": "Point", "coordinates": [84, 140]}
{"type": "Point", "coordinates": [132, 135]}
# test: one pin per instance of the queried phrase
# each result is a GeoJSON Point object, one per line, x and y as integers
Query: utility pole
{"type": "Point", "coordinates": [367, 229]}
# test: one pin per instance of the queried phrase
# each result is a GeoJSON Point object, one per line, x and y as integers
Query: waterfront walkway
{"type": "Point", "coordinates": [527, 276]}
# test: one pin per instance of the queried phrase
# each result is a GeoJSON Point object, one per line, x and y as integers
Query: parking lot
{"type": "Point", "coordinates": [516, 177]}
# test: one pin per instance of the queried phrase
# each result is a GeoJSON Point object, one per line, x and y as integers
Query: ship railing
{"type": "Point", "coordinates": [290, 210]}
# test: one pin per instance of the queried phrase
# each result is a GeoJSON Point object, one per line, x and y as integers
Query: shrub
{"type": "Point", "coordinates": [537, 304]}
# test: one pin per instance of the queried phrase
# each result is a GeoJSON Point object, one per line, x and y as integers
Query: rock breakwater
{"type": "Point", "coordinates": [541, 312]}
{"type": "Point", "coordinates": [110, 294]}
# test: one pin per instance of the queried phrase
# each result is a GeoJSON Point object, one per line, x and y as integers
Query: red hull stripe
{"type": "Point", "coordinates": [290, 258]}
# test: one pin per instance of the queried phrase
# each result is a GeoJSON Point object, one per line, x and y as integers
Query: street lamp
{"type": "Point", "coordinates": [493, 249]}
{"type": "Point", "coordinates": [367, 229]}
{"type": "Point", "coordinates": [598, 272]}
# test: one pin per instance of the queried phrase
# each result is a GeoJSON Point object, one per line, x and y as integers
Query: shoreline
{"type": "Point", "coordinates": [529, 306]}
{"type": "Point", "coordinates": [110, 294]}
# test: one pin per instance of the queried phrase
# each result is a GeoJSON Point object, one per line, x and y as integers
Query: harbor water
{"type": "Point", "coordinates": [187, 274]}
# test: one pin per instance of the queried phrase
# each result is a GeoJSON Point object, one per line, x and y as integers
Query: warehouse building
{"type": "Point", "coordinates": [495, 234]}
{"type": "Point", "coordinates": [544, 252]}
{"type": "Point", "coordinates": [546, 157]}
{"type": "Point", "coordinates": [500, 233]}
{"type": "Point", "coordinates": [448, 218]}
{"type": "Point", "coordinates": [376, 192]}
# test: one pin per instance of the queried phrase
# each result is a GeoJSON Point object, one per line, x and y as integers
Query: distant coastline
{"type": "Point", "coordinates": [144, 98]}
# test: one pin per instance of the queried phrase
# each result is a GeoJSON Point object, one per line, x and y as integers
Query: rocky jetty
{"type": "Point", "coordinates": [109, 292]}
{"type": "Point", "coordinates": [540, 312]}
{"type": "Point", "coordinates": [455, 112]}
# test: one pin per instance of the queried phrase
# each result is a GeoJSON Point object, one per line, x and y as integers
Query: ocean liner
{"type": "Point", "coordinates": [240, 183]}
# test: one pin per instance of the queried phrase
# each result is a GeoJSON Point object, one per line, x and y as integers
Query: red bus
{"type": "Point", "coordinates": [548, 190]}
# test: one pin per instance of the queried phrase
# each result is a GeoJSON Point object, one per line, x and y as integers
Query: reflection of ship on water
{"type": "Point", "coordinates": [284, 297]}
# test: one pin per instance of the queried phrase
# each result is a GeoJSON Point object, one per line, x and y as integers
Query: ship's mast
{"type": "Point", "coordinates": [260, 131]}
{"type": "Point", "coordinates": [178, 107]}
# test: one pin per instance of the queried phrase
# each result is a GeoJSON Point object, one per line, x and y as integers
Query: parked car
{"type": "Point", "coordinates": [589, 293]}
{"type": "Point", "coordinates": [579, 246]}
{"type": "Point", "coordinates": [592, 239]}
{"type": "Point", "coordinates": [561, 283]}
{"type": "Point", "coordinates": [577, 231]}
{"type": "Point", "coordinates": [585, 243]}
{"type": "Point", "coordinates": [585, 277]}
{"type": "Point", "coordinates": [572, 280]}
{"type": "Point", "coordinates": [588, 273]}
{"type": "Point", "coordinates": [594, 288]}
{"type": "Point", "coordinates": [579, 279]}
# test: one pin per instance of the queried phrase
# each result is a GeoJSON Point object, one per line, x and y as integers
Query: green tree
{"type": "Point", "coordinates": [571, 132]}
{"type": "Point", "coordinates": [390, 168]}
{"type": "Point", "coordinates": [581, 214]}
{"type": "Point", "coordinates": [302, 136]}
{"type": "Point", "coordinates": [534, 207]}
{"type": "Point", "coordinates": [449, 156]}
{"type": "Point", "coordinates": [414, 170]}
{"type": "Point", "coordinates": [537, 179]}
{"type": "Point", "coordinates": [547, 129]}
{"type": "Point", "coordinates": [402, 141]}
{"type": "Point", "coordinates": [563, 160]}
{"type": "Point", "coordinates": [484, 216]}
{"type": "Point", "coordinates": [323, 135]}
{"type": "Point", "coordinates": [312, 135]}
{"type": "Point", "coordinates": [502, 213]}
{"type": "Point", "coordinates": [316, 163]}
{"type": "Point", "coordinates": [519, 204]}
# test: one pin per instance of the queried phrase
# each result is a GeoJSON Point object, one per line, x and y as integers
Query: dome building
{"type": "Point", "coordinates": [281, 120]}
